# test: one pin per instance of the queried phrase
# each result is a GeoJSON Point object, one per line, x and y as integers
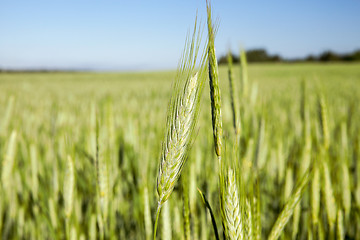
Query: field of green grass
{"type": "Point", "coordinates": [52, 123]}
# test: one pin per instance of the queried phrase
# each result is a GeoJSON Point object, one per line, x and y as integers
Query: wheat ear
{"type": "Point", "coordinates": [230, 206]}
{"type": "Point", "coordinates": [288, 210]}
{"type": "Point", "coordinates": [214, 86]}
{"type": "Point", "coordinates": [181, 119]}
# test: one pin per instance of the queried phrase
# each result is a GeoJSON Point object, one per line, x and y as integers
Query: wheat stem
{"type": "Point", "coordinates": [156, 220]}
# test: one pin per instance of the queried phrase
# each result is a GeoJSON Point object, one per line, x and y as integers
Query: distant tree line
{"type": "Point", "coordinates": [261, 55]}
{"type": "Point", "coordinates": [4, 70]}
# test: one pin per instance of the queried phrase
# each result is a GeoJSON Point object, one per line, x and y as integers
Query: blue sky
{"type": "Point", "coordinates": [150, 35]}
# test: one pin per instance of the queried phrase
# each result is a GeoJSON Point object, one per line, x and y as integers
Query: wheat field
{"type": "Point", "coordinates": [80, 154]}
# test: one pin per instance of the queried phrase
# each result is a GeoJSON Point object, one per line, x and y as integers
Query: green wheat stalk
{"type": "Point", "coordinates": [289, 207]}
{"type": "Point", "coordinates": [214, 85]}
{"type": "Point", "coordinates": [230, 205]}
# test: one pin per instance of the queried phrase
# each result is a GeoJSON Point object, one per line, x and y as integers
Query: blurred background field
{"type": "Point", "coordinates": [54, 115]}
{"type": "Point", "coordinates": [84, 95]}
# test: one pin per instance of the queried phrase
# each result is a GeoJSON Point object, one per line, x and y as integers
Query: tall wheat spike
{"type": "Point", "coordinates": [182, 116]}
{"type": "Point", "coordinates": [214, 85]}
{"type": "Point", "coordinates": [230, 205]}
{"type": "Point", "coordinates": [181, 119]}
{"type": "Point", "coordinates": [288, 210]}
